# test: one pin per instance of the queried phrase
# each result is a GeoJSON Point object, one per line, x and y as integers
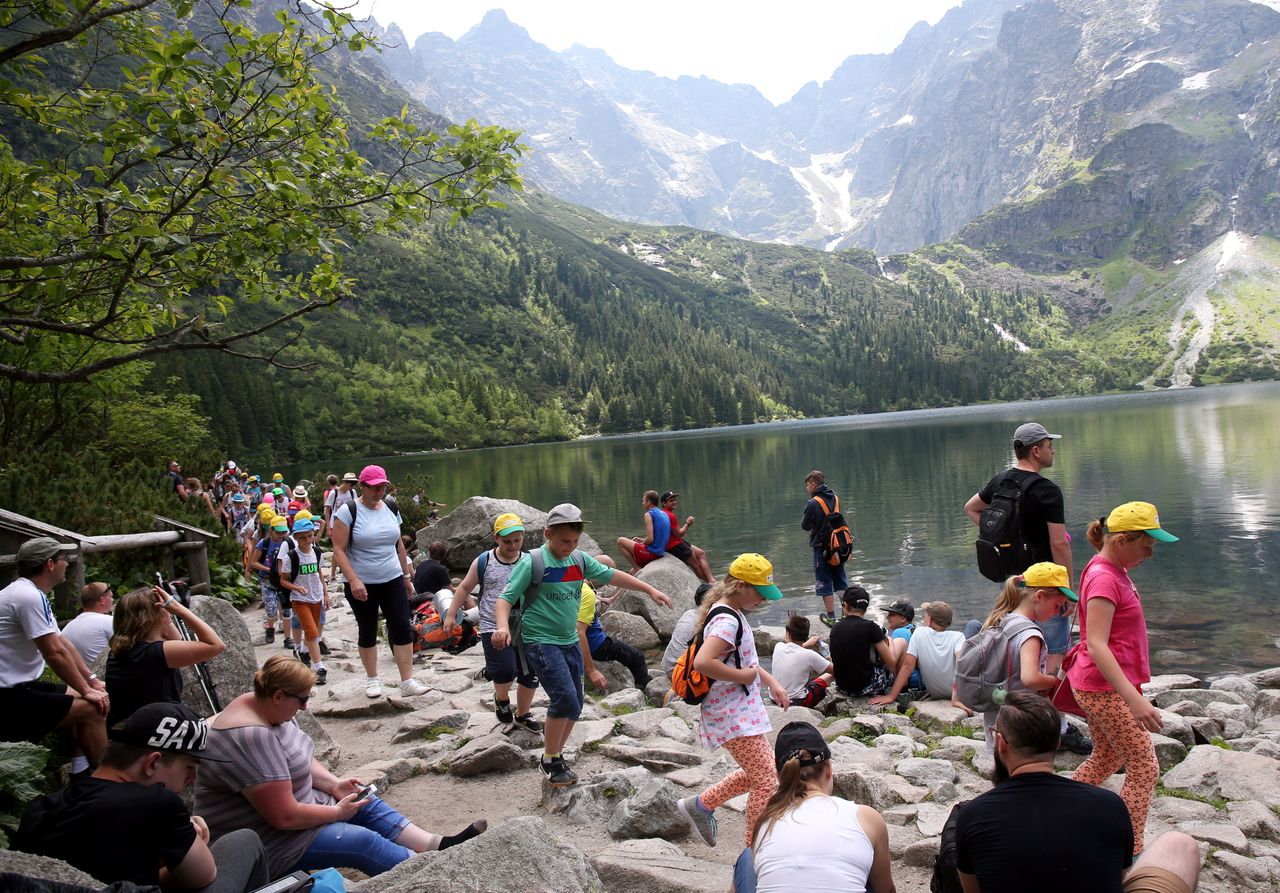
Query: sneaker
{"type": "Point", "coordinates": [827, 619]}
{"type": "Point", "coordinates": [373, 688]}
{"type": "Point", "coordinates": [411, 687]}
{"type": "Point", "coordinates": [528, 722]}
{"type": "Point", "coordinates": [271, 634]}
{"type": "Point", "coordinates": [288, 642]}
{"type": "Point", "coordinates": [324, 648]}
{"type": "Point", "coordinates": [481, 675]}
{"type": "Point", "coordinates": [557, 772]}
{"type": "Point", "coordinates": [1076, 741]}
{"type": "Point", "coordinates": [304, 657]}
{"type": "Point", "coordinates": [322, 676]}
{"type": "Point", "coordinates": [703, 823]}
{"type": "Point", "coordinates": [503, 709]}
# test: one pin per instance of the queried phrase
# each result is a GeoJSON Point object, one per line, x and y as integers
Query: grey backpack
{"type": "Point", "coordinates": [984, 664]}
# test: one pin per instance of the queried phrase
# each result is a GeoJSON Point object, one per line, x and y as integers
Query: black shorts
{"type": "Point", "coordinates": [681, 550]}
{"type": "Point", "coordinates": [33, 710]}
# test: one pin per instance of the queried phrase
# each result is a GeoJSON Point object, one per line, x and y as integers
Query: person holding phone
{"type": "Point", "coordinates": [270, 781]}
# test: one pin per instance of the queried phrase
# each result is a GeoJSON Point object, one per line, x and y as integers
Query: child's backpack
{"type": "Point", "coordinates": [984, 665]}
{"type": "Point", "coordinates": [839, 544]}
{"type": "Point", "coordinates": [1001, 551]}
{"type": "Point", "coordinates": [428, 631]}
{"type": "Point", "coordinates": [689, 684]}
{"type": "Point", "coordinates": [273, 575]}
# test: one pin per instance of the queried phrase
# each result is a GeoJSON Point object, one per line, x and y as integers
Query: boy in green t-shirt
{"type": "Point", "coordinates": [549, 627]}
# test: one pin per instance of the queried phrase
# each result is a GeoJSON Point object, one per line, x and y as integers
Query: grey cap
{"type": "Point", "coordinates": [41, 549]}
{"type": "Point", "coordinates": [1032, 433]}
{"type": "Point", "coordinates": [564, 513]}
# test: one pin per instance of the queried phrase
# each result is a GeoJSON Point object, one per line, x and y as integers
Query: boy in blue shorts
{"type": "Point", "coordinates": [548, 629]}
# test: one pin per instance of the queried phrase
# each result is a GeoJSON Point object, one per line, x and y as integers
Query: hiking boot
{"type": "Point", "coordinates": [288, 643]}
{"type": "Point", "coordinates": [528, 722]}
{"type": "Point", "coordinates": [305, 657]}
{"type": "Point", "coordinates": [557, 772]}
{"type": "Point", "coordinates": [827, 619]}
{"type": "Point", "coordinates": [271, 634]}
{"type": "Point", "coordinates": [1076, 741]}
{"type": "Point", "coordinates": [503, 709]}
{"type": "Point", "coordinates": [322, 676]}
{"type": "Point", "coordinates": [324, 648]}
{"type": "Point", "coordinates": [411, 687]}
{"type": "Point", "coordinates": [703, 823]}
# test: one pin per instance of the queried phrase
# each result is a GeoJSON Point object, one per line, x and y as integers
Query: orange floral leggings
{"type": "Point", "coordinates": [757, 775]}
{"type": "Point", "coordinates": [1118, 741]}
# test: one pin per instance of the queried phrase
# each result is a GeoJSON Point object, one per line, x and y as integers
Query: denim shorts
{"type": "Point", "coordinates": [502, 665]}
{"type": "Point", "coordinates": [559, 669]}
{"type": "Point", "coordinates": [830, 578]}
{"type": "Point", "coordinates": [1057, 633]}
{"type": "Point", "coordinates": [366, 842]}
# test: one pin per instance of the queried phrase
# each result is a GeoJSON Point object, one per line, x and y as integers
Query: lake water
{"type": "Point", "coordinates": [1208, 458]}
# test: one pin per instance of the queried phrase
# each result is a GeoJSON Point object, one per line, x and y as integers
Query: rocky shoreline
{"type": "Point", "coordinates": [443, 759]}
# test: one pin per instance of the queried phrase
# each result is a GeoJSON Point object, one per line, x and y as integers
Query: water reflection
{"type": "Point", "coordinates": [1209, 459]}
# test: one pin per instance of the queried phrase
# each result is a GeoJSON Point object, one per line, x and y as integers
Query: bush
{"type": "Point", "coordinates": [22, 779]}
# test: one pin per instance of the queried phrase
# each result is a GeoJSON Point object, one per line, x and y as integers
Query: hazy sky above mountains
{"type": "Point", "coordinates": [775, 47]}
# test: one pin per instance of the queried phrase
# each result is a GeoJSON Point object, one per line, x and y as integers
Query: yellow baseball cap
{"type": "Point", "coordinates": [1047, 575]}
{"type": "Point", "coordinates": [1138, 516]}
{"type": "Point", "coordinates": [507, 523]}
{"type": "Point", "coordinates": [302, 515]}
{"type": "Point", "coordinates": [755, 569]}
{"type": "Point", "coordinates": [277, 477]}
{"type": "Point", "coordinates": [265, 509]}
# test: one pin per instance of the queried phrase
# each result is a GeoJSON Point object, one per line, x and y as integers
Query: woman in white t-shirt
{"type": "Point", "coordinates": [809, 840]}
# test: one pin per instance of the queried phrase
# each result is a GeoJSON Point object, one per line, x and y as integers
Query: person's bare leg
{"type": "Point", "coordinates": [89, 728]}
{"type": "Point", "coordinates": [418, 840]}
{"type": "Point", "coordinates": [1174, 852]}
{"type": "Point", "coordinates": [899, 648]}
{"type": "Point", "coordinates": [555, 732]}
{"type": "Point", "coordinates": [829, 603]}
{"type": "Point", "coordinates": [404, 660]}
{"type": "Point", "coordinates": [524, 699]}
{"type": "Point", "coordinates": [369, 659]}
{"type": "Point", "coordinates": [502, 691]}
{"type": "Point", "coordinates": [703, 567]}
{"type": "Point", "coordinates": [628, 548]}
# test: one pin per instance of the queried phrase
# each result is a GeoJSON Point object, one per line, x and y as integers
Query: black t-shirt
{"type": "Point", "coordinates": [852, 640]}
{"type": "Point", "coordinates": [1041, 506]}
{"type": "Point", "coordinates": [114, 830]}
{"type": "Point", "coordinates": [430, 577]}
{"type": "Point", "coordinates": [1045, 833]}
{"type": "Point", "coordinates": [138, 678]}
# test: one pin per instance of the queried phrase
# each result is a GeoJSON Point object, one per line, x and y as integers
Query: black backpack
{"type": "Point", "coordinates": [946, 875]}
{"type": "Point", "coordinates": [838, 545]}
{"type": "Point", "coordinates": [1000, 547]}
{"type": "Point", "coordinates": [273, 575]}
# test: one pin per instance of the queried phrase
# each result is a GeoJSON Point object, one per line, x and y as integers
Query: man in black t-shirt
{"type": "Point", "coordinates": [1038, 831]}
{"type": "Point", "coordinates": [125, 822]}
{"type": "Point", "coordinates": [852, 641]}
{"type": "Point", "coordinates": [431, 575]}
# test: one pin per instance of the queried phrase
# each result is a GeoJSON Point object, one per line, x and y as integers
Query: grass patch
{"type": "Point", "coordinates": [1218, 741]}
{"type": "Point", "coordinates": [1215, 802]}
{"type": "Point", "coordinates": [621, 710]}
{"type": "Point", "coordinates": [435, 732]}
{"type": "Point", "coordinates": [956, 730]}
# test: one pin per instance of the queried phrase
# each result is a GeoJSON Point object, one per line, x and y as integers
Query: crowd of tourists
{"type": "Point", "coordinates": [265, 806]}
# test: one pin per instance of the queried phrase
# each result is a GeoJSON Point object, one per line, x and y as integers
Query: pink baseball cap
{"type": "Point", "coordinates": [373, 475]}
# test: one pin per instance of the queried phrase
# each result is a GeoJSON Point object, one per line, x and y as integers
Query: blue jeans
{"type": "Point", "coordinates": [559, 669]}
{"type": "Point", "coordinates": [365, 843]}
{"type": "Point", "coordinates": [744, 873]}
{"type": "Point", "coordinates": [830, 578]}
{"type": "Point", "coordinates": [1057, 633]}
{"type": "Point", "coordinates": [503, 664]}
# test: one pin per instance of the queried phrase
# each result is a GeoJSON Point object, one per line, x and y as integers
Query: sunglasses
{"type": "Point", "coordinates": [301, 699]}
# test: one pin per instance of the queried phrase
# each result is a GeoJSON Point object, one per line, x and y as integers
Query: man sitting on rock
{"type": "Point", "coordinates": [1037, 830]}
{"type": "Point", "coordinates": [852, 641]}
{"type": "Point", "coordinates": [657, 531]}
{"type": "Point", "coordinates": [126, 822]}
{"type": "Point", "coordinates": [932, 648]}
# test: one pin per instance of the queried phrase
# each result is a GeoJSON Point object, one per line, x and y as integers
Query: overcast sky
{"type": "Point", "coordinates": [777, 47]}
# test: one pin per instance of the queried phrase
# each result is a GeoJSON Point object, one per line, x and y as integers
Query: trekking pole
{"type": "Point", "coordinates": [182, 592]}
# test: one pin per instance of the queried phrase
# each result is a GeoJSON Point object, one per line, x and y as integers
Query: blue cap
{"type": "Point", "coordinates": [303, 526]}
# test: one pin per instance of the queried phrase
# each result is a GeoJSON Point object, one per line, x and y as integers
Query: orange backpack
{"type": "Point", "coordinates": [689, 684]}
{"type": "Point", "coordinates": [839, 545]}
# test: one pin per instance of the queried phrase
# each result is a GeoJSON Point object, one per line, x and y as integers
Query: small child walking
{"type": "Point", "coordinates": [307, 593]}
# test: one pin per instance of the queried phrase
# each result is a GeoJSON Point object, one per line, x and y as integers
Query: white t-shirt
{"type": "Point", "coordinates": [89, 631]}
{"type": "Point", "coordinates": [818, 847]}
{"type": "Point", "coordinates": [794, 665]}
{"type": "Point", "coordinates": [372, 546]}
{"type": "Point", "coordinates": [935, 654]}
{"type": "Point", "coordinates": [308, 575]}
{"type": "Point", "coordinates": [336, 498]}
{"type": "Point", "coordinates": [25, 614]}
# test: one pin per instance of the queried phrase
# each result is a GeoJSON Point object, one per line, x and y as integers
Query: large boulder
{"type": "Point", "coordinates": [1210, 771]}
{"type": "Point", "coordinates": [492, 753]}
{"type": "Point", "coordinates": [520, 854]}
{"type": "Point", "coordinates": [629, 628]}
{"type": "Point", "coordinates": [650, 811]}
{"type": "Point", "coordinates": [468, 530]}
{"type": "Point", "coordinates": [671, 576]}
{"type": "Point", "coordinates": [594, 799]}
{"type": "Point", "coordinates": [657, 866]}
{"type": "Point", "coordinates": [46, 869]}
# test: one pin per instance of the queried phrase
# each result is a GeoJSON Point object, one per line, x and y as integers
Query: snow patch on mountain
{"type": "Point", "coordinates": [826, 184]}
{"type": "Point", "coordinates": [1199, 81]}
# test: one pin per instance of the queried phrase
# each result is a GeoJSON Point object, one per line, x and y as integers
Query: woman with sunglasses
{"type": "Point", "coordinates": [378, 577]}
{"type": "Point", "coordinates": [260, 772]}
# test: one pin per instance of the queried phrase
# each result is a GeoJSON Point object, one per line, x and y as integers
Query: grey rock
{"type": "Point", "coordinates": [900, 746]}
{"type": "Point", "coordinates": [1269, 678]}
{"type": "Point", "coordinates": [922, 853]}
{"type": "Point", "coordinates": [851, 753]}
{"type": "Point", "coordinates": [1186, 708]}
{"type": "Point", "coordinates": [656, 866]}
{"type": "Point", "coordinates": [46, 869]}
{"type": "Point", "coordinates": [389, 772]}
{"type": "Point", "coordinates": [901, 837]}
{"type": "Point", "coordinates": [359, 706]}
{"type": "Point", "coordinates": [1176, 810]}
{"type": "Point", "coordinates": [1213, 772]}
{"type": "Point", "coordinates": [448, 683]}
{"type": "Point", "coordinates": [232, 670]}
{"type": "Point", "coordinates": [644, 722]}
{"type": "Point", "coordinates": [468, 530]}
{"type": "Point", "coordinates": [593, 800]}
{"type": "Point", "coordinates": [590, 732]}
{"type": "Point", "coordinates": [1266, 704]}
{"type": "Point", "coordinates": [1169, 751]}
{"type": "Point", "coordinates": [519, 854]}
{"type": "Point", "coordinates": [1178, 728]}
{"type": "Point", "coordinates": [873, 789]}
{"type": "Point", "coordinates": [668, 575]}
{"type": "Point", "coordinates": [930, 817]}
{"type": "Point", "coordinates": [1205, 728]}
{"type": "Point", "coordinates": [1254, 820]}
{"type": "Point", "coordinates": [779, 717]}
{"type": "Point", "coordinates": [659, 758]}
{"type": "Point", "coordinates": [492, 753]}
{"type": "Point", "coordinates": [616, 676]}
{"type": "Point", "coordinates": [1264, 747]}
{"type": "Point", "coordinates": [1218, 834]}
{"type": "Point", "coordinates": [1224, 712]}
{"type": "Point", "coordinates": [1169, 682]}
{"type": "Point", "coordinates": [628, 700]}
{"type": "Point", "coordinates": [326, 749]}
{"type": "Point", "coordinates": [649, 812]}
{"type": "Point", "coordinates": [1202, 696]}
{"type": "Point", "coordinates": [1233, 729]}
{"type": "Point", "coordinates": [901, 815]}
{"type": "Point", "coordinates": [677, 729]}
{"type": "Point", "coordinates": [657, 689]}
{"type": "Point", "coordinates": [926, 773]}
{"type": "Point", "coordinates": [1243, 873]}
{"type": "Point", "coordinates": [931, 713]}
{"type": "Point", "coordinates": [767, 638]}
{"type": "Point", "coordinates": [413, 726]}
{"type": "Point", "coordinates": [1239, 685]}
{"type": "Point", "coordinates": [629, 628]}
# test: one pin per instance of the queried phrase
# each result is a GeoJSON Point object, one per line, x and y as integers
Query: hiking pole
{"type": "Point", "coordinates": [182, 592]}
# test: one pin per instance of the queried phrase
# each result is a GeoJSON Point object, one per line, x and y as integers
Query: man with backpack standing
{"type": "Point", "coordinates": [830, 539]}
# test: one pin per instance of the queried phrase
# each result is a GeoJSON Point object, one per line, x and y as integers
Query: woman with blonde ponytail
{"type": "Point", "coordinates": [809, 840]}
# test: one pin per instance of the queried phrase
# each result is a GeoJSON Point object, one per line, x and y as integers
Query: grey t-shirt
{"type": "Point", "coordinates": [496, 575]}
{"type": "Point", "coordinates": [681, 636]}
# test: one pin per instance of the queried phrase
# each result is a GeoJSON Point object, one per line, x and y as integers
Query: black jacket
{"type": "Point", "coordinates": [815, 519]}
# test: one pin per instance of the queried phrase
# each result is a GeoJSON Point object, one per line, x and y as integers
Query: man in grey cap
{"type": "Point", "coordinates": [29, 638]}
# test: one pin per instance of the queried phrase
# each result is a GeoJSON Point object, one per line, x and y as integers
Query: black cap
{"type": "Point", "coordinates": [903, 607]}
{"type": "Point", "coordinates": [796, 737]}
{"type": "Point", "coordinates": [669, 494]}
{"type": "Point", "coordinates": [856, 597]}
{"type": "Point", "coordinates": [167, 726]}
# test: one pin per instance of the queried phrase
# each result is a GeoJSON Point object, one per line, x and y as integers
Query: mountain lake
{"type": "Point", "coordinates": [1209, 458]}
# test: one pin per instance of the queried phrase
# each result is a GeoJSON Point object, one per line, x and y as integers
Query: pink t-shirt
{"type": "Point", "coordinates": [729, 711]}
{"type": "Point", "coordinates": [1128, 641]}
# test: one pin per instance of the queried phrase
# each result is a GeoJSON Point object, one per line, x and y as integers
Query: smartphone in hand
{"type": "Point", "coordinates": [365, 791]}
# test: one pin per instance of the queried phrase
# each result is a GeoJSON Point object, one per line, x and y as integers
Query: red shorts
{"type": "Point", "coordinates": [643, 555]}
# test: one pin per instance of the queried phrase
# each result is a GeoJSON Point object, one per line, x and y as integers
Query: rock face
{"type": "Point", "coordinates": [668, 575]}
{"type": "Point", "coordinates": [468, 530]}
{"type": "Point", "coordinates": [629, 628]}
{"type": "Point", "coordinates": [1213, 772]}
{"type": "Point", "coordinates": [44, 868]}
{"type": "Point", "coordinates": [656, 866]}
{"type": "Point", "coordinates": [520, 854]}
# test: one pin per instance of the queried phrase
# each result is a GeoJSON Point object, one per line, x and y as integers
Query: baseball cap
{"type": "Point", "coordinates": [669, 494]}
{"type": "Point", "coordinates": [564, 513]}
{"type": "Point", "coordinates": [903, 607]}
{"type": "Point", "coordinates": [300, 492]}
{"type": "Point", "coordinates": [253, 479]}
{"type": "Point", "coordinates": [1047, 575]}
{"type": "Point", "coordinates": [350, 478]}
{"type": "Point", "coordinates": [1138, 516]}
{"type": "Point", "coordinates": [278, 477]}
{"type": "Point", "coordinates": [237, 497]}
{"type": "Point", "coordinates": [373, 475]}
{"type": "Point", "coordinates": [857, 598]}
{"type": "Point", "coordinates": [41, 549]}
{"type": "Point", "coordinates": [303, 526]}
{"type": "Point", "coordinates": [753, 568]}
{"type": "Point", "coordinates": [508, 522]}
{"type": "Point", "coordinates": [167, 726]}
{"type": "Point", "coordinates": [265, 509]}
{"type": "Point", "coordinates": [279, 525]}
{"type": "Point", "coordinates": [302, 515]}
{"type": "Point", "coordinates": [231, 464]}
{"type": "Point", "coordinates": [1032, 433]}
{"type": "Point", "coordinates": [796, 738]}
{"type": "Point", "coordinates": [277, 491]}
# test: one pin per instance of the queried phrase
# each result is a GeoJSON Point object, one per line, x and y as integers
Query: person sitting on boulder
{"type": "Point", "coordinates": [657, 531]}
{"type": "Point", "coordinates": [853, 640]}
{"type": "Point", "coordinates": [596, 645]}
{"type": "Point", "coordinates": [798, 666]}
{"type": "Point", "coordinates": [933, 648]}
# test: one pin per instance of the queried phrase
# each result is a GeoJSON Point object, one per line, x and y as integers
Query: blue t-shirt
{"type": "Point", "coordinates": [269, 549]}
{"type": "Point", "coordinates": [661, 531]}
{"type": "Point", "coordinates": [904, 633]}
